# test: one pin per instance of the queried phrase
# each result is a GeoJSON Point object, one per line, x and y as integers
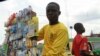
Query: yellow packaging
{"type": "Point", "coordinates": [33, 27]}
{"type": "Point", "coordinates": [29, 43]}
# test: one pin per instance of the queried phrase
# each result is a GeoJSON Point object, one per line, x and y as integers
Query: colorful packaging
{"type": "Point", "coordinates": [33, 27]}
{"type": "Point", "coordinates": [29, 43]}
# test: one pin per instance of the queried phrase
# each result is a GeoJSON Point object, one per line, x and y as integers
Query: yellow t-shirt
{"type": "Point", "coordinates": [55, 40]}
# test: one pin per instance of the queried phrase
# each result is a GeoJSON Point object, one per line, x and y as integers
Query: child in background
{"type": "Point", "coordinates": [80, 43]}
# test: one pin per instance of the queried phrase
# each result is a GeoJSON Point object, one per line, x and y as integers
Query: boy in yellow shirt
{"type": "Point", "coordinates": [55, 34]}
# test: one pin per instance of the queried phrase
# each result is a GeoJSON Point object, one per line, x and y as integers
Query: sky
{"type": "Point", "coordinates": [72, 11]}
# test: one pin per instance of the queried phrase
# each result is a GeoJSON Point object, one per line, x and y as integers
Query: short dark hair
{"type": "Point", "coordinates": [79, 28]}
{"type": "Point", "coordinates": [58, 7]}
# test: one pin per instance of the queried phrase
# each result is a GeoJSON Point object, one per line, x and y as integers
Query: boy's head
{"type": "Point", "coordinates": [79, 28]}
{"type": "Point", "coordinates": [53, 12]}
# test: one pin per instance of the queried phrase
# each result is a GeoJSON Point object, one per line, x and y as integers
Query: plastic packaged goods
{"type": "Point", "coordinates": [34, 51]}
{"type": "Point", "coordinates": [16, 44]}
{"type": "Point", "coordinates": [35, 20]}
{"type": "Point", "coordinates": [11, 20]}
{"type": "Point", "coordinates": [34, 43]}
{"type": "Point", "coordinates": [26, 14]}
{"type": "Point", "coordinates": [11, 38]}
{"type": "Point", "coordinates": [23, 44]}
{"type": "Point", "coordinates": [24, 30]}
{"type": "Point", "coordinates": [19, 53]}
{"type": "Point", "coordinates": [33, 27]}
{"type": "Point", "coordinates": [23, 26]}
{"type": "Point", "coordinates": [13, 29]}
{"type": "Point", "coordinates": [8, 31]}
{"type": "Point", "coordinates": [20, 44]}
{"type": "Point", "coordinates": [17, 17]}
{"type": "Point", "coordinates": [26, 54]}
{"type": "Point", "coordinates": [19, 30]}
{"type": "Point", "coordinates": [12, 53]}
{"type": "Point", "coordinates": [29, 43]}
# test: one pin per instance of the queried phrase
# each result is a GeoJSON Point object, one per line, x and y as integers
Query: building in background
{"type": "Point", "coordinates": [94, 34]}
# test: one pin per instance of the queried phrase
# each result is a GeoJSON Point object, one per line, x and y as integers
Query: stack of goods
{"type": "Point", "coordinates": [22, 28]}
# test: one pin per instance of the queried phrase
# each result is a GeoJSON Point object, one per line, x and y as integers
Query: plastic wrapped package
{"type": "Point", "coordinates": [20, 44]}
{"type": "Point", "coordinates": [8, 29]}
{"type": "Point", "coordinates": [24, 28]}
{"type": "Point", "coordinates": [22, 18]}
{"type": "Point", "coordinates": [12, 32]}
{"type": "Point", "coordinates": [23, 14]}
{"type": "Point", "coordinates": [11, 37]}
{"type": "Point", "coordinates": [12, 19]}
{"type": "Point", "coordinates": [27, 17]}
{"type": "Point", "coordinates": [33, 27]}
{"type": "Point", "coordinates": [34, 43]}
{"type": "Point", "coordinates": [7, 35]}
{"type": "Point", "coordinates": [18, 34]}
{"type": "Point", "coordinates": [19, 30]}
{"type": "Point", "coordinates": [25, 31]}
{"type": "Point", "coordinates": [13, 29]}
{"type": "Point", "coordinates": [14, 36]}
{"type": "Point", "coordinates": [29, 43]}
{"type": "Point", "coordinates": [12, 53]}
{"type": "Point", "coordinates": [25, 10]}
{"type": "Point", "coordinates": [18, 16]}
{"type": "Point", "coordinates": [23, 44]}
{"type": "Point", "coordinates": [7, 24]}
{"type": "Point", "coordinates": [20, 13]}
{"type": "Point", "coordinates": [35, 20]}
{"type": "Point", "coordinates": [14, 45]}
{"type": "Point", "coordinates": [23, 52]}
{"type": "Point", "coordinates": [19, 53]}
{"type": "Point", "coordinates": [19, 25]}
{"type": "Point", "coordinates": [30, 53]}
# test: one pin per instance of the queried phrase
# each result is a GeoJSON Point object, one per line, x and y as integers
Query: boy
{"type": "Point", "coordinates": [55, 34]}
{"type": "Point", "coordinates": [80, 43]}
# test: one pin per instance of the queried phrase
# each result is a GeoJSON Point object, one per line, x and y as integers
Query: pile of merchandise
{"type": "Point", "coordinates": [21, 33]}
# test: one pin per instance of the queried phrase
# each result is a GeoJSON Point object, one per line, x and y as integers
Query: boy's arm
{"type": "Point", "coordinates": [40, 35]}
